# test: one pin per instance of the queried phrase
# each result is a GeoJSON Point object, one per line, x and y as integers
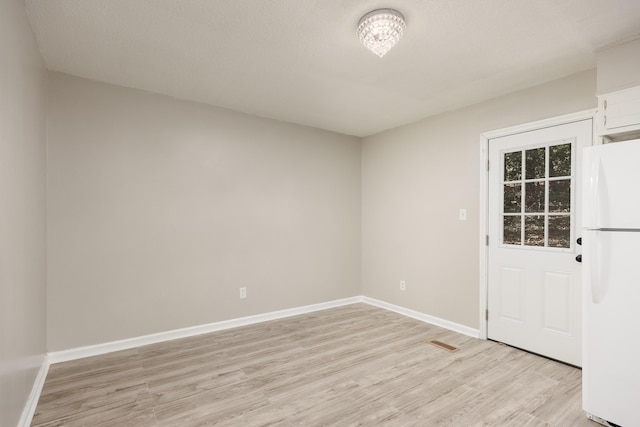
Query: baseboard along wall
{"type": "Point", "coordinates": [32, 401]}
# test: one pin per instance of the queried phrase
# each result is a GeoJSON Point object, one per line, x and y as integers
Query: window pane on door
{"type": "Point", "coordinates": [513, 166]}
{"type": "Point", "coordinates": [560, 195]}
{"type": "Point", "coordinates": [512, 198]}
{"type": "Point", "coordinates": [560, 160]}
{"type": "Point", "coordinates": [559, 231]}
{"type": "Point", "coordinates": [534, 230]}
{"type": "Point", "coordinates": [511, 230]}
{"type": "Point", "coordinates": [534, 197]}
{"type": "Point", "coordinates": [535, 163]}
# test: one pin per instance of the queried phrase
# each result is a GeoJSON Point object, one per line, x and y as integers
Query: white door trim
{"type": "Point", "coordinates": [484, 191]}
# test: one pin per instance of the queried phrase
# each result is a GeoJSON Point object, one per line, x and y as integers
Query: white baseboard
{"type": "Point", "coordinates": [456, 327]}
{"type": "Point", "coordinates": [94, 350]}
{"type": "Point", "coordinates": [32, 402]}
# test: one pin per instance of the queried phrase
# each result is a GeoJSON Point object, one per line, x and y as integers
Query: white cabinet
{"type": "Point", "coordinates": [618, 116]}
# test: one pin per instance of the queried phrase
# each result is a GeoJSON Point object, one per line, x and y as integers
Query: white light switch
{"type": "Point", "coordinates": [462, 214]}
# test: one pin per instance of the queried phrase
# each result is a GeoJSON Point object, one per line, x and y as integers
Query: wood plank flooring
{"type": "Point", "coordinates": [348, 366]}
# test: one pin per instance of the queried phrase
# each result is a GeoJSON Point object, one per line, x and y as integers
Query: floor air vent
{"type": "Point", "coordinates": [443, 346]}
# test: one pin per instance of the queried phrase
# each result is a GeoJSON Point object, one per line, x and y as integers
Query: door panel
{"type": "Point", "coordinates": [556, 301]}
{"type": "Point", "coordinates": [512, 294]}
{"type": "Point", "coordinates": [534, 281]}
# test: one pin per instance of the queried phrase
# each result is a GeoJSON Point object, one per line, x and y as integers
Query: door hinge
{"type": "Point", "coordinates": [486, 315]}
{"type": "Point", "coordinates": [487, 240]}
{"type": "Point", "coordinates": [487, 165]}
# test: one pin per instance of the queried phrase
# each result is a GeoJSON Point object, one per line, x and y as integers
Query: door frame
{"type": "Point", "coordinates": [485, 137]}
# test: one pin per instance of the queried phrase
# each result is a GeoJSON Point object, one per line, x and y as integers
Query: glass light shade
{"type": "Point", "coordinates": [380, 30]}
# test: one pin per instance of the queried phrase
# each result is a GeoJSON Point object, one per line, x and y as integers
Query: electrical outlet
{"type": "Point", "coordinates": [243, 292]}
{"type": "Point", "coordinates": [403, 285]}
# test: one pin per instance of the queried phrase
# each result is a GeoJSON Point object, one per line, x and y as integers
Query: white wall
{"type": "Point", "coordinates": [22, 211]}
{"type": "Point", "coordinates": [618, 67]}
{"type": "Point", "coordinates": [159, 210]}
{"type": "Point", "coordinates": [414, 180]}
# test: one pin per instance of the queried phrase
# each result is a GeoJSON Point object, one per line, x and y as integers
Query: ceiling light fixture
{"type": "Point", "coordinates": [380, 30]}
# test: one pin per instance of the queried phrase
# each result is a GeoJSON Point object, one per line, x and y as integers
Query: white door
{"type": "Point", "coordinates": [534, 280]}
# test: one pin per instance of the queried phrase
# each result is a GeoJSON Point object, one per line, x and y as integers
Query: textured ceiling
{"type": "Point", "coordinates": [299, 61]}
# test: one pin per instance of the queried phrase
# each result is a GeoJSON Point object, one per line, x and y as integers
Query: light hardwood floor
{"type": "Point", "coordinates": [353, 365]}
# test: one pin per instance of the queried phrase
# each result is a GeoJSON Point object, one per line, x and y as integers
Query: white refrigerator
{"type": "Point", "coordinates": [611, 278]}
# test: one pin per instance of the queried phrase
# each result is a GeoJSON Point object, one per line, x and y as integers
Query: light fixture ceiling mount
{"type": "Point", "coordinates": [380, 30]}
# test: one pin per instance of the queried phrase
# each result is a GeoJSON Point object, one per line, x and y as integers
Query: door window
{"type": "Point", "coordinates": [537, 195]}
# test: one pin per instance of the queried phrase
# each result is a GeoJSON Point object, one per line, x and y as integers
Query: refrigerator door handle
{"type": "Point", "coordinates": [594, 188]}
{"type": "Point", "coordinates": [596, 297]}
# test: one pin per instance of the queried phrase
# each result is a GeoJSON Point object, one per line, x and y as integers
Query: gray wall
{"type": "Point", "coordinates": [414, 180]}
{"type": "Point", "coordinates": [22, 211]}
{"type": "Point", "coordinates": [159, 210]}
